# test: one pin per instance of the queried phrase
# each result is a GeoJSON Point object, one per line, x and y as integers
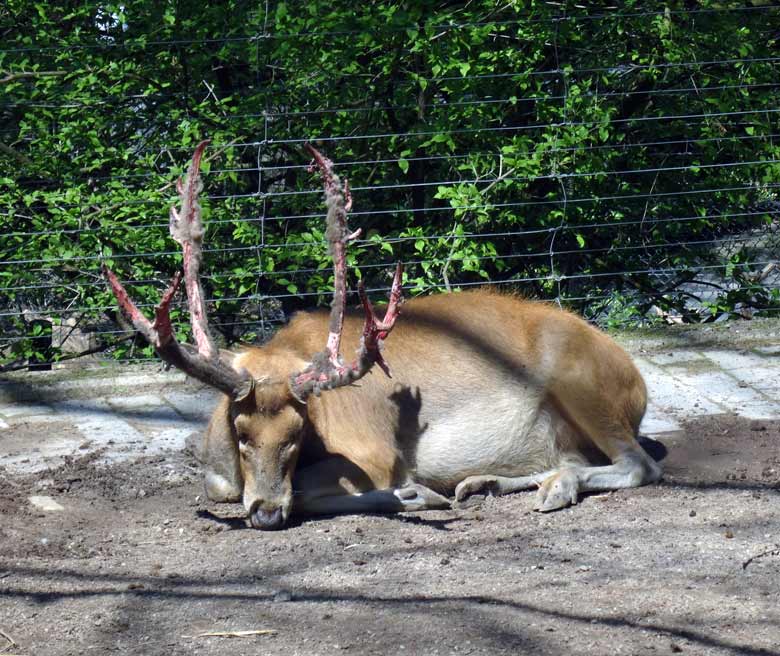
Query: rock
{"type": "Point", "coordinates": [45, 503]}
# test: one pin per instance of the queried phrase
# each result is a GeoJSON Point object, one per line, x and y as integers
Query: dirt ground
{"type": "Point", "coordinates": [140, 563]}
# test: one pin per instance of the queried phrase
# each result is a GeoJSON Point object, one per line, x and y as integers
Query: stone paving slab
{"type": "Point", "coordinates": [673, 395]}
{"type": "Point", "coordinates": [196, 405]}
{"type": "Point", "coordinates": [725, 390]}
{"type": "Point", "coordinates": [676, 357]}
{"type": "Point", "coordinates": [9, 410]}
{"type": "Point", "coordinates": [152, 412]}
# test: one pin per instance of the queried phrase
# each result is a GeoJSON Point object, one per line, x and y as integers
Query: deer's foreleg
{"type": "Point", "coordinates": [336, 486]}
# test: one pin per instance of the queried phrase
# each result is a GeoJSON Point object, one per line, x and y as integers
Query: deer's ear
{"type": "Point", "coordinates": [223, 480]}
{"type": "Point", "coordinates": [246, 389]}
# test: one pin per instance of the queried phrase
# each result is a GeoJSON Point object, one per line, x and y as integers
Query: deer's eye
{"type": "Point", "coordinates": [289, 450]}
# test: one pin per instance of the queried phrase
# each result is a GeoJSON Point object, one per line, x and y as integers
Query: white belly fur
{"type": "Point", "coordinates": [514, 435]}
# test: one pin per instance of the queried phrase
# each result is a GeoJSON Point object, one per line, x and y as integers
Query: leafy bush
{"type": "Point", "coordinates": [598, 155]}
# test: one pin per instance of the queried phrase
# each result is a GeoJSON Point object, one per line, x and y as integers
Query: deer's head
{"type": "Point", "coordinates": [252, 445]}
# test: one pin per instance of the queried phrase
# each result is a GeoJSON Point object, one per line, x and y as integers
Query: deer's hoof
{"type": "Point", "coordinates": [557, 491]}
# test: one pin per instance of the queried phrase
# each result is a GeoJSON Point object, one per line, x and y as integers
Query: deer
{"type": "Point", "coordinates": [490, 394]}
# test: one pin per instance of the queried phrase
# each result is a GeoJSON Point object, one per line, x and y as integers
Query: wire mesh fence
{"type": "Point", "coordinates": [634, 185]}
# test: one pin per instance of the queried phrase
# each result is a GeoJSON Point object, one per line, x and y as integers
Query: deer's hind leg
{"type": "Point", "coordinates": [561, 486]}
{"type": "Point", "coordinates": [586, 428]}
{"type": "Point", "coordinates": [633, 468]}
{"type": "Point", "coordinates": [606, 413]}
{"type": "Point", "coordinates": [499, 485]}
{"type": "Point", "coordinates": [543, 446]}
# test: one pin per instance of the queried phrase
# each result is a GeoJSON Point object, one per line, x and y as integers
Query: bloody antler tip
{"type": "Point", "coordinates": [198, 154]}
{"type": "Point", "coordinates": [110, 276]}
{"type": "Point", "coordinates": [312, 150]}
{"type": "Point", "coordinates": [320, 161]}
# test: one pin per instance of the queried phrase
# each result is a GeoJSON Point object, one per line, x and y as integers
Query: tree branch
{"type": "Point", "coordinates": [10, 77]}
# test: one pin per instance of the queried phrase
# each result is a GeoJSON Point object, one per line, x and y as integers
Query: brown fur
{"type": "Point", "coordinates": [449, 352]}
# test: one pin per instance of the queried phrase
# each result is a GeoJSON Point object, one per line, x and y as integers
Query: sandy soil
{"type": "Point", "coordinates": [139, 563]}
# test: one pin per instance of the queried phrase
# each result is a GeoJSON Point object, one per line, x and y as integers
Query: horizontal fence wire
{"type": "Point", "coordinates": [99, 283]}
{"type": "Point", "coordinates": [455, 157]}
{"type": "Point", "coordinates": [435, 183]}
{"type": "Point", "coordinates": [527, 18]}
{"type": "Point", "coordinates": [632, 191]}
{"type": "Point", "coordinates": [391, 239]}
{"type": "Point", "coordinates": [698, 91]}
{"type": "Point", "coordinates": [64, 311]}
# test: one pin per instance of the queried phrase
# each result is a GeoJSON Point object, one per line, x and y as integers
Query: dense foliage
{"type": "Point", "coordinates": [611, 158]}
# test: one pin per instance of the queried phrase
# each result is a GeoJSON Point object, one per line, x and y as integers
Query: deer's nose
{"type": "Point", "coordinates": [266, 520]}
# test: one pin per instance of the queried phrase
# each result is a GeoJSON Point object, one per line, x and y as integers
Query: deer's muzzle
{"type": "Point", "coordinates": [266, 520]}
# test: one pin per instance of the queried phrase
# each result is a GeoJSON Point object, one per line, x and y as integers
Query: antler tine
{"type": "Point", "coordinates": [327, 370]}
{"type": "Point", "coordinates": [338, 235]}
{"type": "Point", "coordinates": [374, 330]}
{"type": "Point", "coordinates": [187, 228]}
{"type": "Point", "coordinates": [204, 363]}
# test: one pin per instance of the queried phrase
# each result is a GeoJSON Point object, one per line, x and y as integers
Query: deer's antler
{"type": "Point", "coordinates": [202, 362]}
{"type": "Point", "coordinates": [327, 370]}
